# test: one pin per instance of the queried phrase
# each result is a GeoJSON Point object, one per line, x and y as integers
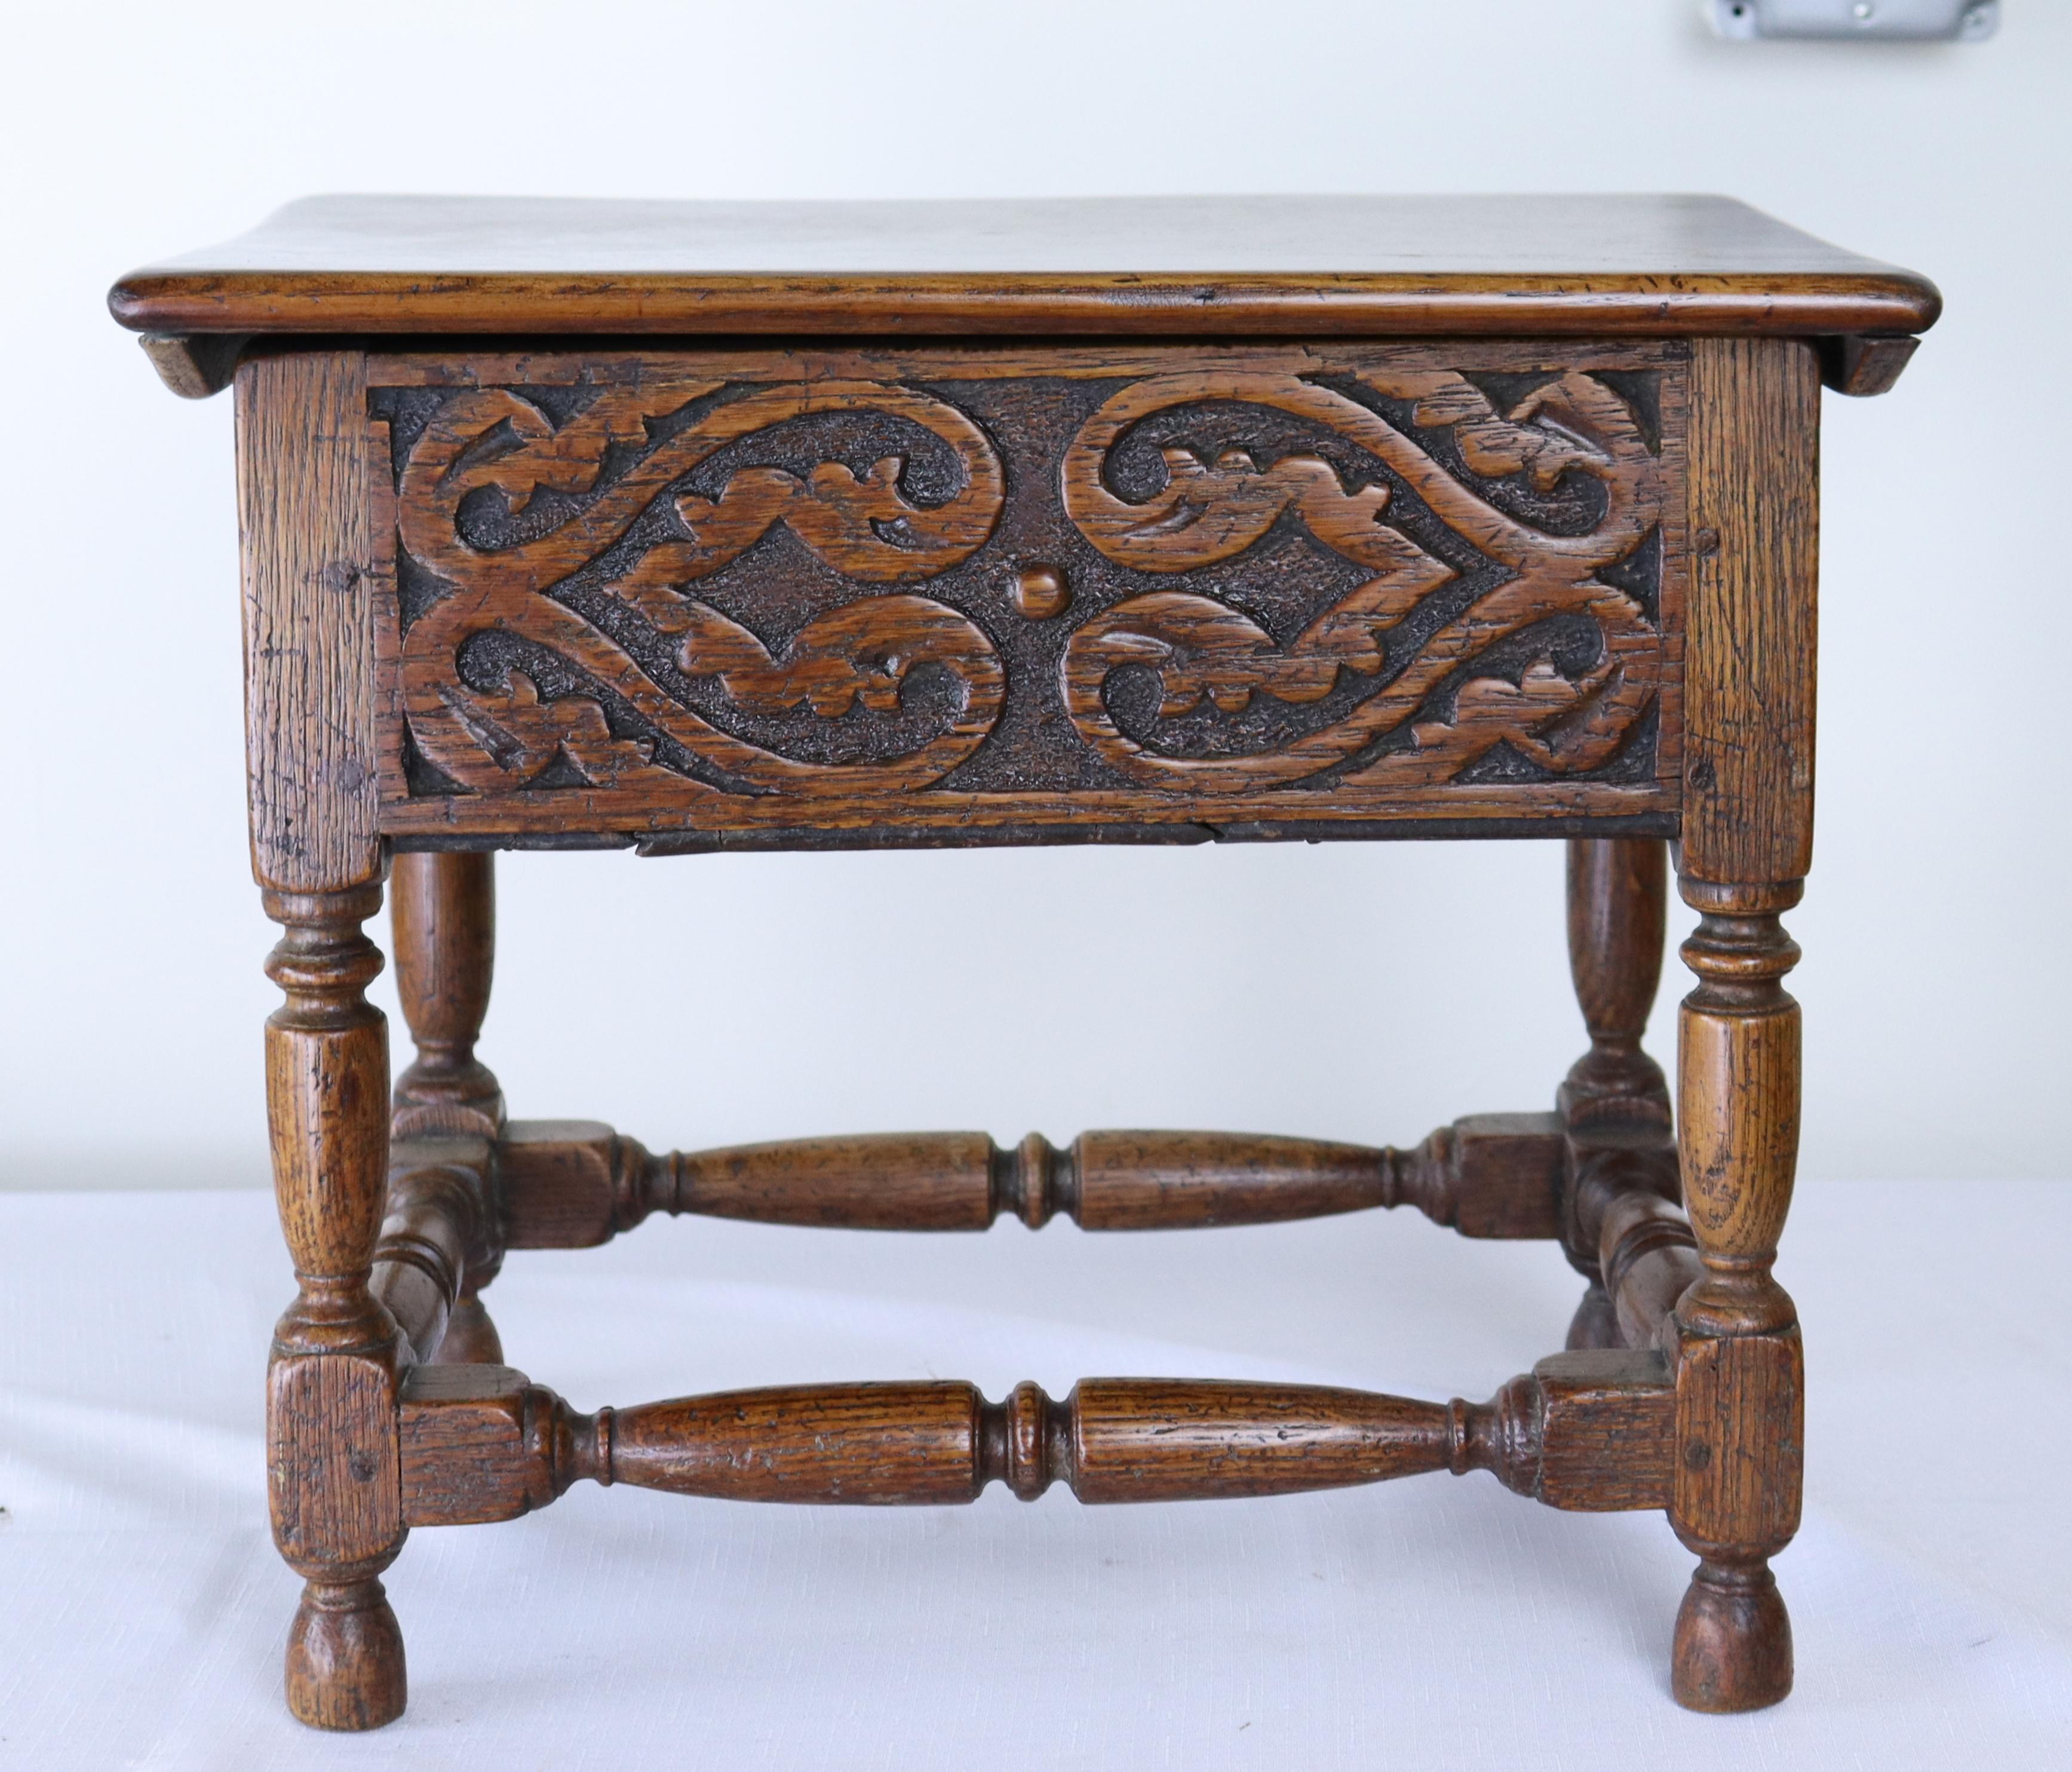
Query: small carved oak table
{"type": "Point", "coordinates": [699, 526]}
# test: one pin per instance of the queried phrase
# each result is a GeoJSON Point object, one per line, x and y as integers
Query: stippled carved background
{"type": "Point", "coordinates": [992, 593]}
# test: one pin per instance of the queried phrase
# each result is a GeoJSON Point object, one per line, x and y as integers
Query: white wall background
{"type": "Point", "coordinates": [1365, 991]}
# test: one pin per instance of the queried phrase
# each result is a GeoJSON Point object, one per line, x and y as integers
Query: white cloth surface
{"type": "Point", "coordinates": [1437, 1621]}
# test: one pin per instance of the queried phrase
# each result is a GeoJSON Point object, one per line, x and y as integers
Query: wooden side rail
{"type": "Point", "coordinates": [1622, 1202]}
{"type": "Point", "coordinates": [571, 1184]}
{"type": "Point", "coordinates": [1590, 1432]}
{"type": "Point", "coordinates": [1650, 1261]}
{"type": "Point", "coordinates": [437, 1231]}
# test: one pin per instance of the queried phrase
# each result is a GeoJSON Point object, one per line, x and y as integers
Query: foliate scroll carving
{"type": "Point", "coordinates": [935, 594]}
{"type": "Point", "coordinates": [1445, 693]}
{"type": "Point", "coordinates": [565, 631]}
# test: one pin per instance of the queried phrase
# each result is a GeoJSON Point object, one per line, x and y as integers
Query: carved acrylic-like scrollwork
{"type": "Point", "coordinates": [502, 678]}
{"type": "Point", "coordinates": [1495, 670]}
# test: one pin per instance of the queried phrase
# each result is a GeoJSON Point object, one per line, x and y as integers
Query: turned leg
{"type": "Point", "coordinates": [1615, 1092]}
{"type": "Point", "coordinates": [1740, 1373]}
{"type": "Point", "coordinates": [443, 908]}
{"type": "Point", "coordinates": [333, 1380]}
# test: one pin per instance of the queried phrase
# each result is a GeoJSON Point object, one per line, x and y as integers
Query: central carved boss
{"type": "Point", "coordinates": [1475, 575]}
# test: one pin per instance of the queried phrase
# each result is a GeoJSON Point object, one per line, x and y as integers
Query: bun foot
{"type": "Point", "coordinates": [1734, 1639]}
{"type": "Point", "coordinates": [345, 1657]}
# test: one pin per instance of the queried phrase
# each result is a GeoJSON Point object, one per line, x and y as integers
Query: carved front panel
{"type": "Point", "coordinates": [972, 594]}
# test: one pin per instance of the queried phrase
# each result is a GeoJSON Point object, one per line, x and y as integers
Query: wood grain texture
{"type": "Point", "coordinates": [567, 1184]}
{"type": "Point", "coordinates": [1740, 1470]}
{"type": "Point", "coordinates": [1317, 588]}
{"type": "Point", "coordinates": [573, 1184]}
{"type": "Point", "coordinates": [1861, 365]}
{"type": "Point", "coordinates": [194, 365]}
{"type": "Point", "coordinates": [1133, 1440]}
{"type": "Point", "coordinates": [478, 1445]}
{"type": "Point", "coordinates": [471, 1338]}
{"type": "Point", "coordinates": [1607, 1431]}
{"type": "Point", "coordinates": [333, 1465]}
{"type": "Point", "coordinates": [1614, 1107]}
{"type": "Point", "coordinates": [886, 1182]}
{"type": "Point", "coordinates": [1647, 1251]}
{"type": "Point", "coordinates": [1449, 265]}
{"type": "Point", "coordinates": [1740, 1408]}
{"type": "Point", "coordinates": [1739, 1442]}
{"type": "Point", "coordinates": [307, 554]}
{"type": "Point", "coordinates": [1732, 1650]}
{"type": "Point", "coordinates": [1498, 1175]}
{"type": "Point", "coordinates": [443, 908]}
{"type": "Point", "coordinates": [482, 1443]}
{"type": "Point", "coordinates": [1143, 1180]}
{"type": "Point", "coordinates": [440, 1217]}
{"type": "Point", "coordinates": [1617, 901]}
{"type": "Point", "coordinates": [1737, 1087]}
{"type": "Point", "coordinates": [1755, 509]}
{"type": "Point", "coordinates": [1347, 518]}
{"type": "Point", "coordinates": [327, 1059]}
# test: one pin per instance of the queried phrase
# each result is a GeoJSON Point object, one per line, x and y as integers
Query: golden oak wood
{"type": "Point", "coordinates": [573, 1184]}
{"type": "Point", "coordinates": [1740, 1408]}
{"type": "Point", "coordinates": [1865, 363]}
{"type": "Point", "coordinates": [444, 910]}
{"type": "Point", "coordinates": [1229, 267]}
{"type": "Point", "coordinates": [1748, 754]}
{"type": "Point", "coordinates": [194, 365]}
{"type": "Point", "coordinates": [441, 1216]}
{"type": "Point", "coordinates": [336, 1363]}
{"type": "Point", "coordinates": [1617, 902]}
{"type": "Point", "coordinates": [1344, 517]}
{"type": "Point", "coordinates": [331, 1384]}
{"type": "Point", "coordinates": [304, 514]}
{"type": "Point", "coordinates": [1614, 1103]}
{"type": "Point", "coordinates": [1585, 1432]}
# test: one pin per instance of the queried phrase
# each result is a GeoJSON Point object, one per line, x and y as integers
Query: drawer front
{"type": "Point", "coordinates": [703, 599]}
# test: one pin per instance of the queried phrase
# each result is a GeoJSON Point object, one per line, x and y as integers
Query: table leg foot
{"type": "Point", "coordinates": [1733, 1639]}
{"type": "Point", "coordinates": [345, 1657]}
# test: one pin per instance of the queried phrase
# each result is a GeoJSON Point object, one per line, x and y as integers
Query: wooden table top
{"type": "Point", "coordinates": [1261, 266]}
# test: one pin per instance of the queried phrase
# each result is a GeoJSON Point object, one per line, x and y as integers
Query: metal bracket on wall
{"type": "Point", "coordinates": [1881, 20]}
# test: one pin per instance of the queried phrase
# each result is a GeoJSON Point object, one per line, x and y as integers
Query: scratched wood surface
{"type": "Point", "coordinates": [303, 506]}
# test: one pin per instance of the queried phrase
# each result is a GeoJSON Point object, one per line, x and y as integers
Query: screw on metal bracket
{"type": "Point", "coordinates": [1880, 21]}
